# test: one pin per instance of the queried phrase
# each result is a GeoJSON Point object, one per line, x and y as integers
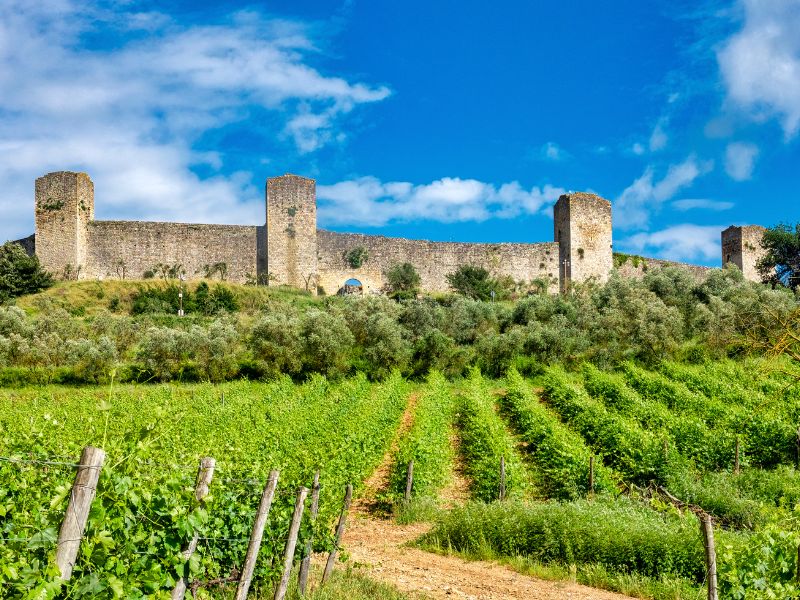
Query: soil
{"type": "Point", "coordinates": [379, 546]}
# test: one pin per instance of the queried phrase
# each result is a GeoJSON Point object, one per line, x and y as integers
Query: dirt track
{"type": "Point", "coordinates": [378, 546]}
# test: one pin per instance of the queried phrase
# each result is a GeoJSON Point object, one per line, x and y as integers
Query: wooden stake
{"type": "Point", "coordinates": [591, 476]}
{"type": "Point", "coordinates": [707, 527]}
{"type": "Point", "coordinates": [348, 496]}
{"type": "Point", "coordinates": [204, 476]}
{"type": "Point", "coordinates": [502, 478]}
{"type": "Point", "coordinates": [83, 492]}
{"type": "Point", "coordinates": [302, 579]}
{"type": "Point", "coordinates": [409, 480]}
{"type": "Point", "coordinates": [291, 543]}
{"type": "Point", "coordinates": [256, 537]}
{"type": "Point", "coordinates": [736, 458]}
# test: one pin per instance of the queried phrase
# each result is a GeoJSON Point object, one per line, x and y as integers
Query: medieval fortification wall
{"type": "Point", "coordinates": [290, 250]}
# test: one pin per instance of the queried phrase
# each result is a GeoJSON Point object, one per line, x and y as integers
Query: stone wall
{"type": "Point", "coordinates": [64, 205]}
{"type": "Point", "coordinates": [433, 260]}
{"type": "Point", "coordinates": [28, 244]}
{"type": "Point", "coordinates": [291, 231]}
{"type": "Point", "coordinates": [582, 228]}
{"type": "Point", "coordinates": [742, 247]}
{"type": "Point", "coordinates": [139, 246]}
{"type": "Point", "coordinates": [636, 267]}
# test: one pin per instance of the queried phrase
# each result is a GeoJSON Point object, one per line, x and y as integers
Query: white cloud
{"type": "Point", "coordinates": [760, 64]}
{"type": "Point", "coordinates": [646, 195]}
{"type": "Point", "coordinates": [554, 152]}
{"type": "Point", "coordinates": [740, 160]}
{"type": "Point", "coordinates": [131, 114]}
{"type": "Point", "coordinates": [701, 204]}
{"type": "Point", "coordinates": [658, 139]}
{"type": "Point", "coordinates": [685, 242]}
{"type": "Point", "coordinates": [368, 201]}
{"type": "Point", "coordinates": [637, 149]}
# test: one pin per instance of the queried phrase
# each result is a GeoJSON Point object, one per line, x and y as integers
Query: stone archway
{"type": "Point", "coordinates": [352, 287]}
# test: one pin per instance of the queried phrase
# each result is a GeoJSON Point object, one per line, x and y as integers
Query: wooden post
{"type": "Point", "coordinates": [256, 537]}
{"type": "Point", "coordinates": [409, 480]}
{"type": "Point", "coordinates": [291, 543]}
{"type": "Point", "coordinates": [736, 458]}
{"type": "Point", "coordinates": [348, 496]}
{"type": "Point", "coordinates": [707, 527]}
{"type": "Point", "coordinates": [502, 478]}
{"type": "Point", "coordinates": [83, 492]}
{"type": "Point", "coordinates": [797, 576]}
{"type": "Point", "coordinates": [797, 450]}
{"type": "Point", "coordinates": [591, 475]}
{"type": "Point", "coordinates": [302, 579]}
{"type": "Point", "coordinates": [204, 476]}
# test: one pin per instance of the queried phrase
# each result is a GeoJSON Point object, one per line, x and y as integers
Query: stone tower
{"type": "Point", "coordinates": [742, 247]}
{"type": "Point", "coordinates": [64, 209]}
{"type": "Point", "coordinates": [582, 228]}
{"type": "Point", "coordinates": [292, 232]}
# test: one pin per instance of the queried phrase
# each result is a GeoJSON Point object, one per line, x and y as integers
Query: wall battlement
{"type": "Point", "coordinates": [290, 250]}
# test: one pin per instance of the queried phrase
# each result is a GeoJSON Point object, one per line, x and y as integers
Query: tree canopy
{"type": "Point", "coordinates": [781, 263]}
{"type": "Point", "coordinates": [20, 273]}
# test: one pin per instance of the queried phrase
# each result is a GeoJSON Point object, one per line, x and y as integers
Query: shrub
{"type": "Point", "coordinates": [472, 282]}
{"type": "Point", "coordinates": [402, 281]}
{"type": "Point", "coordinates": [92, 361]}
{"type": "Point", "coordinates": [20, 273]}
{"type": "Point", "coordinates": [275, 341]}
{"type": "Point", "coordinates": [326, 343]}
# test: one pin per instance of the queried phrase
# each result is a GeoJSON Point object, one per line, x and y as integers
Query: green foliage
{"type": "Point", "coordinates": [560, 456]}
{"type": "Point", "coordinates": [203, 300]}
{"type": "Point", "coordinates": [473, 282]}
{"type": "Point", "coordinates": [19, 273]}
{"type": "Point", "coordinates": [356, 257]}
{"type": "Point", "coordinates": [428, 443]}
{"type": "Point", "coordinates": [621, 535]}
{"type": "Point", "coordinates": [145, 513]}
{"type": "Point", "coordinates": [402, 281]}
{"type": "Point", "coordinates": [781, 261]}
{"type": "Point", "coordinates": [484, 441]}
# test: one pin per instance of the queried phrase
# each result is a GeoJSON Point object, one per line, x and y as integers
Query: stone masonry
{"type": "Point", "coordinates": [290, 250]}
{"type": "Point", "coordinates": [741, 246]}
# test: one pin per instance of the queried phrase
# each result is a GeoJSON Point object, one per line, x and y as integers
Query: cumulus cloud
{"type": "Point", "coordinates": [132, 113]}
{"type": "Point", "coordinates": [646, 194]}
{"type": "Point", "coordinates": [685, 242]}
{"type": "Point", "coordinates": [368, 201]}
{"type": "Point", "coordinates": [701, 204]}
{"type": "Point", "coordinates": [760, 64]}
{"type": "Point", "coordinates": [740, 160]}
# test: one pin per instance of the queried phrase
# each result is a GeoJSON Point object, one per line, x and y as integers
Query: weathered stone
{"type": "Point", "coordinates": [742, 247]}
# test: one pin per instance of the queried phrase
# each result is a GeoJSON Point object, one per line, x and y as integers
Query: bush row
{"type": "Point", "coordinates": [559, 455]}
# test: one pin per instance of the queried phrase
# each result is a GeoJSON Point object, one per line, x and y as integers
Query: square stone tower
{"type": "Point", "coordinates": [64, 209]}
{"type": "Point", "coordinates": [582, 228]}
{"type": "Point", "coordinates": [742, 247]}
{"type": "Point", "coordinates": [292, 232]}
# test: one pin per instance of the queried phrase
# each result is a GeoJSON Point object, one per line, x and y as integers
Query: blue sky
{"type": "Point", "coordinates": [440, 120]}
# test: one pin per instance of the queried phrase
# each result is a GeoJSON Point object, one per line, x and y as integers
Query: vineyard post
{"type": "Point", "coordinates": [591, 476]}
{"type": "Point", "coordinates": [707, 527]}
{"type": "Point", "coordinates": [81, 496]}
{"type": "Point", "coordinates": [409, 480]}
{"type": "Point", "coordinates": [502, 478]}
{"type": "Point", "coordinates": [302, 579]}
{"type": "Point", "coordinates": [736, 458]}
{"type": "Point", "coordinates": [291, 543]}
{"type": "Point", "coordinates": [348, 496]}
{"type": "Point", "coordinates": [797, 450]}
{"type": "Point", "coordinates": [256, 537]}
{"type": "Point", "coordinates": [204, 475]}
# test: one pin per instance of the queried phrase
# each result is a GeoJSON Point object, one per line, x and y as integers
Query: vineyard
{"type": "Point", "coordinates": [605, 477]}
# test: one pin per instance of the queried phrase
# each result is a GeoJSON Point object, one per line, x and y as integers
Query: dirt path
{"type": "Point", "coordinates": [377, 545]}
{"type": "Point", "coordinates": [456, 492]}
